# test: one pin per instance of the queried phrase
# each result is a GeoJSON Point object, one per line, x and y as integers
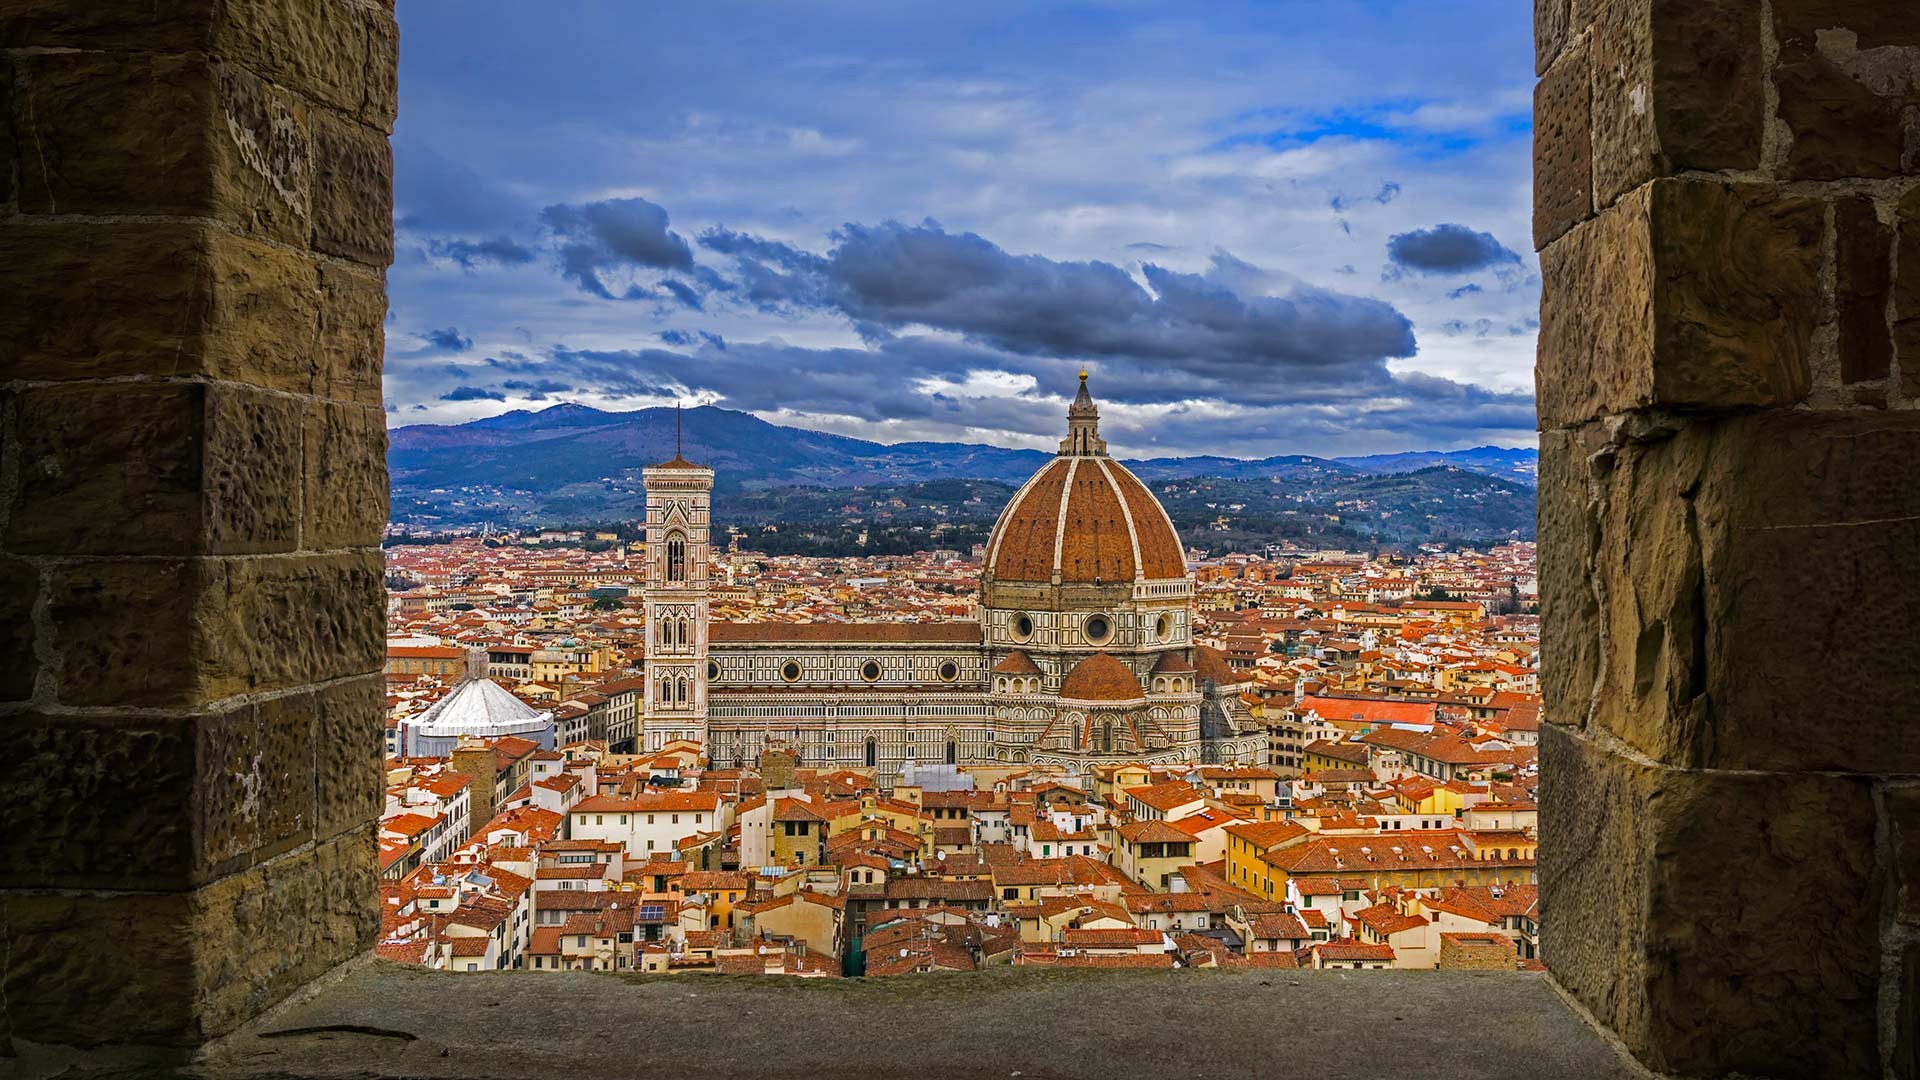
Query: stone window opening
{"type": "Point", "coordinates": [1661, 226]}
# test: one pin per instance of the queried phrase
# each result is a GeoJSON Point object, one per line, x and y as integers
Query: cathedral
{"type": "Point", "coordinates": [1082, 654]}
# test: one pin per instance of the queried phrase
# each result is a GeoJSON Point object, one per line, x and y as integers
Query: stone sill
{"type": "Point", "coordinates": [385, 1020]}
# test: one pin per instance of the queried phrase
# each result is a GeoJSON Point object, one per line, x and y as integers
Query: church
{"type": "Point", "coordinates": [1082, 654]}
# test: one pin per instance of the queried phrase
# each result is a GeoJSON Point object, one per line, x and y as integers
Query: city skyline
{"type": "Point", "coordinates": [920, 228]}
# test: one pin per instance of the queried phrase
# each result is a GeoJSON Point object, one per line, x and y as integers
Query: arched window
{"type": "Point", "coordinates": [953, 753]}
{"type": "Point", "coordinates": [1106, 735]}
{"type": "Point", "coordinates": [873, 752]}
{"type": "Point", "coordinates": [676, 558]}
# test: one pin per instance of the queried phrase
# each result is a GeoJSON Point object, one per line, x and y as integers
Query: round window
{"type": "Point", "coordinates": [949, 671]}
{"type": "Point", "coordinates": [1164, 628]}
{"type": "Point", "coordinates": [790, 671]}
{"type": "Point", "coordinates": [1098, 629]}
{"type": "Point", "coordinates": [870, 671]}
{"type": "Point", "coordinates": [713, 671]}
{"type": "Point", "coordinates": [1022, 626]}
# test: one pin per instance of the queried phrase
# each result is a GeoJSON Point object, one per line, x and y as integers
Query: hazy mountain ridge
{"type": "Point", "coordinates": [575, 463]}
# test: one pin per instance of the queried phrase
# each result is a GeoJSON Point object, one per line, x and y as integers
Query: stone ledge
{"type": "Point", "coordinates": [383, 1020]}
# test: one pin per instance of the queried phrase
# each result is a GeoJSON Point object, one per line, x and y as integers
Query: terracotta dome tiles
{"type": "Point", "coordinates": [1100, 677]}
{"type": "Point", "coordinates": [1112, 527]}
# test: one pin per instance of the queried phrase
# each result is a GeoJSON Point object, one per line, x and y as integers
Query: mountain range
{"type": "Point", "coordinates": [570, 462]}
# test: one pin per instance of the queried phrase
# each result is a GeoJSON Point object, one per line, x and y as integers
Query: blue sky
{"type": "Point", "coordinates": [1266, 227]}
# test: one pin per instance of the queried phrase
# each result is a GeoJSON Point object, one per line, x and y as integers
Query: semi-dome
{"type": "Point", "coordinates": [1101, 678]}
{"type": "Point", "coordinates": [1083, 518]}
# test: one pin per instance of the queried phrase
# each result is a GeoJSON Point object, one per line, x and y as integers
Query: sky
{"type": "Point", "coordinates": [1265, 228]}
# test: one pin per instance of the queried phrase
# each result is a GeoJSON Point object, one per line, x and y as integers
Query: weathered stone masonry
{"type": "Point", "coordinates": [1727, 206]}
{"type": "Point", "coordinates": [195, 221]}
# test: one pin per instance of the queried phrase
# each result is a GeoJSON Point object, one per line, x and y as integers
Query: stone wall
{"type": "Point", "coordinates": [1727, 206]}
{"type": "Point", "coordinates": [195, 221]}
{"type": "Point", "coordinates": [1476, 952]}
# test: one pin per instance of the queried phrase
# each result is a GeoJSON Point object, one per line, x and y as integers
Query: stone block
{"type": "Point", "coordinates": [1906, 1017]}
{"type": "Point", "coordinates": [1748, 573]}
{"type": "Point", "coordinates": [1847, 74]}
{"type": "Point", "coordinates": [145, 25]}
{"type": "Point", "coordinates": [123, 632]}
{"type": "Point", "coordinates": [92, 968]}
{"type": "Point", "coordinates": [349, 722]}
{"type": "Point", "coordinates": [287, 621]}
{"type": "Point", "coordinates": [323, 49]}
{"type": "Point", "coordinates": [1635, 316]}
{"type": "Point", "coordinates": [165, 633]}
{"type": "Point", "coordinates": [253, 795]}
{"type": "Point", "coordinates": [7, 152]}
{"type": "Point", "coordinates": [352, 344]}
{"type": "Point", "coordinates": [112, 468]}
{"type": "Point", "coordinates": [352, 191]}
{"type": "Point", "coordinates": [259, 314]}
{"type": "Point", "coordinates": [1593, 867]}
{"type": "Point", "coordinates": [19, 591]}
{"type": "Point", "coordinates": [164, 135]}
{"type": "Point", "coordinates": [1903, 817]}
{"type": "Point", "coordinates": [345, 475]}
{"type": "Point", "coordinates": [381, 104]}
{"type": "Point", "coordinates": [168, 135]}
{"type": "Point", "coordinates": [1677, 87]}
{"type": "Point", "coordinates": [253, 496]}
{"type": "Point", "coordinates": [1863, 277]}
{"type": "Point", "coordinates": [1562, 147]}
{"type": "Point", "coordinates": [1552, 29]}
{"type": "Point", "coordinates": [1906, 295]}
{"type": "Point", "coordinates": [107, 798]}
{"type": "Point", "coordinates": [1570, 639]}
{"type": "Point", "coordinates": [1674, 905]}
{"type": "Point", "coordinates": [155, 468]}
{"type": "Point", "coordinates": [265, 932]}
{"type": "Point", "coordinates": [90, 300]}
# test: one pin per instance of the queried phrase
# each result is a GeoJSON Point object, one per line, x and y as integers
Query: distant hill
{"type": "Point", "coordinates": [574, 463]}
{"type": "Point", "coordinates": [1521, 465]}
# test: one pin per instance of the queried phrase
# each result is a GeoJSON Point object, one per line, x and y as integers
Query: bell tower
{"type": "Point", "coordinates": [679, 500]}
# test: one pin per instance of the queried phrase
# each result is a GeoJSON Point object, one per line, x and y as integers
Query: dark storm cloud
{"type": "Point", "coordinates": [890, 278]}
{"type": "Point", "coordinates": [470, 254]}
{"type": "Point", "coordinates": [472, 393]}
{"type": "Point", "coordinates": [448, 340]}
{"type": "Point", "coordinates": [616, 234]}
{"type": "Point", "coordinates": [1448, 249]}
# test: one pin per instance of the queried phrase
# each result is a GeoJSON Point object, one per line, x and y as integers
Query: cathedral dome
{"type": "Point", "coordinates": [1101, 678]}
{"type": "Point", "coordinates": [1083, 518]}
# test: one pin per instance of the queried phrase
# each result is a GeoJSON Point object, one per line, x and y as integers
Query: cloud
{"type": "Point", "coordinates": [685, 338]}
{"type": "Point", "coordinates": [1463, 291]}
{"type": "Point", "coordinates": [1448, 249]}
{"type": "Point", "coordinates": [615, 234]}
{"type": "Point", "coordinates": [472, 393]}
{"type": "Point", "coordinates": [1389, 190]}
{"type": "Point", "coordinates": [1234, 329]}
{"type": "Point", "coordinates": [498, 250]}
{"type": "Point", "coordinates": [536, 389]}
{"type": "Point", "coordinates": [448, 340]}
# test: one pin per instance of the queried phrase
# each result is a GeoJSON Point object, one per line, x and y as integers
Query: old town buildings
{"type": "Point", "coordinates": [1378, 810]}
